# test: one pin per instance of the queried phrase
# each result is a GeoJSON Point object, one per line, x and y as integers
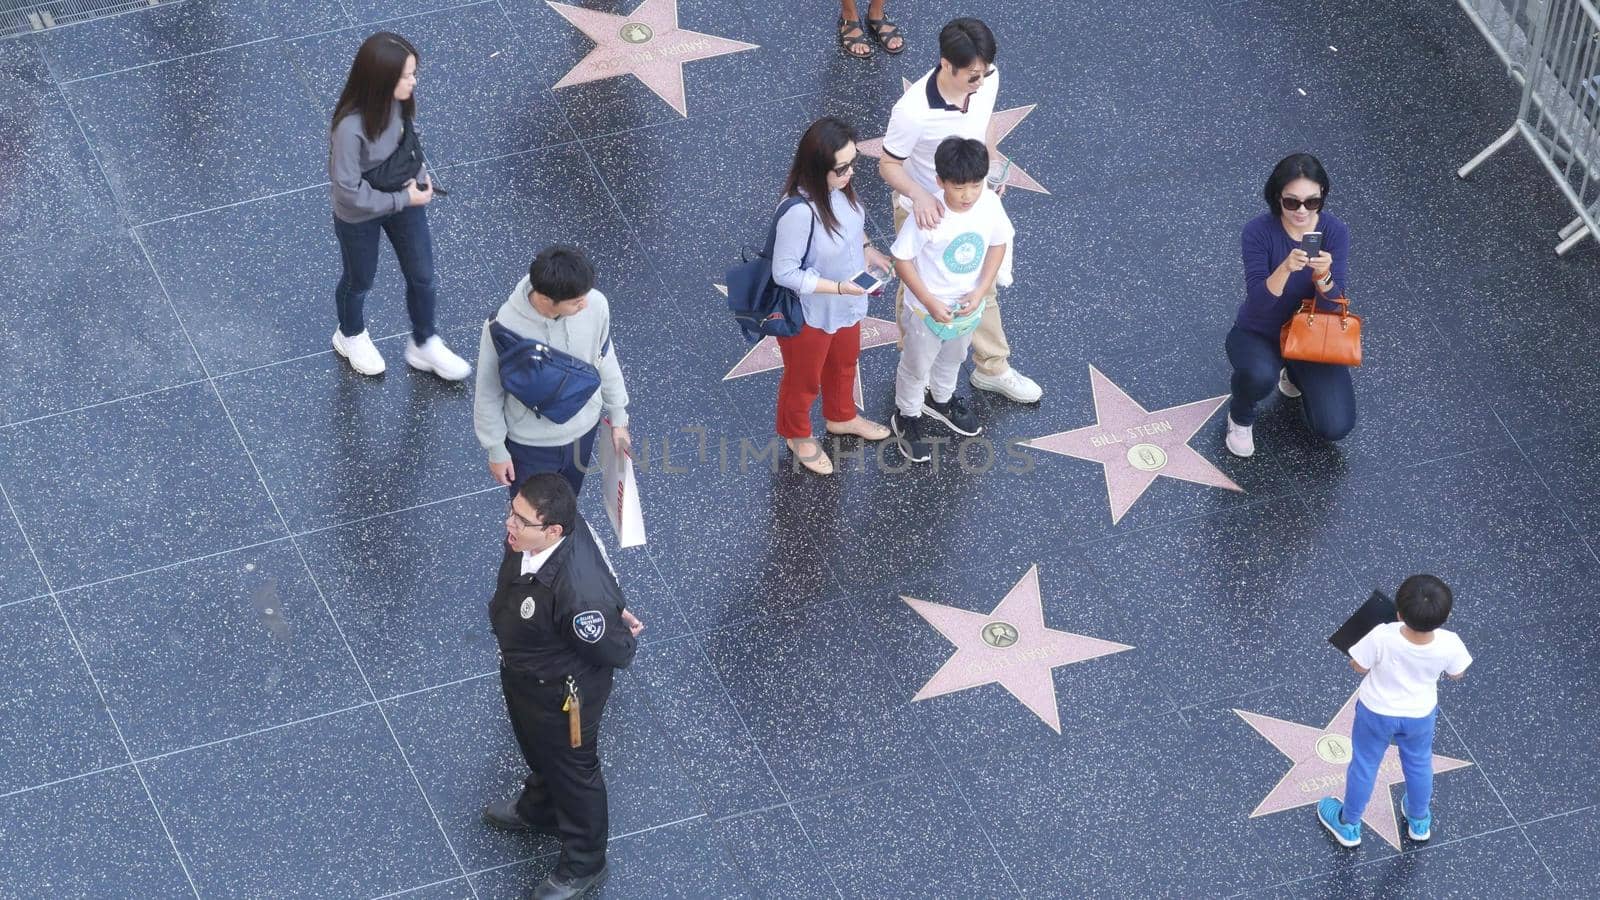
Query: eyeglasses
{"type": "Point", "coordinates": [1293, 204]}
{"type": "Point", "coordinates": [520, 520]}
{"type": "Point", "coordinates": [978, 77]}
{"type": "Point", "coordinates": [840, 170]}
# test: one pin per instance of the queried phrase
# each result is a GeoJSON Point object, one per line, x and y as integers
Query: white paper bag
{"type": "Point", "coordinates": [621, 490]}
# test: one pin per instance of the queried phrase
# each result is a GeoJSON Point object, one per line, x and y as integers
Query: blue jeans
{"type": "Point", "coordinates": [358, 249]}
{"type": "Point", "coordinates": [567, 460]}
{"type": "Point", "coordinates": [1328, 396]}
{"type": "Point", "coordinates": [1370, 737]}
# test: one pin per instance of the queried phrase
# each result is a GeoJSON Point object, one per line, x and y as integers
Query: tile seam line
{"type": "Point", "coordinates": [161, 62]}
{"type": "Point", "coordinates": [972, 811]}
{"type": "Point", "coordinates": [117, 200]}
{"type": "Point", "coordinates": [305, 565]}
{"type": "Point", "coordinates": [755, 745]}
{"type": "Point", "coordinates": [1533, 467]}
{"type": "Point", "coordinates": [1429, 847]}
{"type": "Point", "coordinates": [616, 837]}
{"type": "Point", "coordinates": [116, 727]}
{"type": "Point", "coordinates": [99, 403]}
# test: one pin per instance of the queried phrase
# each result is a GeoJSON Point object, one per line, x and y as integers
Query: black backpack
{"type": "Point", "coordinates": [761, 306]}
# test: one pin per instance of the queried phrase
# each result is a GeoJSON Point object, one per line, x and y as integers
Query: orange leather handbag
{"type": "Point", "coordinates": [1320, 336]}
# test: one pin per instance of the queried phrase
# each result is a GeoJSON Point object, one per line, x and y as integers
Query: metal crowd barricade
{"type": "Point", "coordinates": [1559, 118]}
{"type": "Point", "coordinates": [1505, 24]}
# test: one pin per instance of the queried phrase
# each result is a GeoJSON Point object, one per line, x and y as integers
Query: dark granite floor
{"type": "Point", "coordinates": [242, 640]}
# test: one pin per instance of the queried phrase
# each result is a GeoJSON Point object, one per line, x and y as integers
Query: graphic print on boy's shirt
{"type": "Point", "coordinates": [949, 257]}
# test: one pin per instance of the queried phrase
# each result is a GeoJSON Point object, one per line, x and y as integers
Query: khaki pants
{"type": "Point", "coordinates": [991, 353]}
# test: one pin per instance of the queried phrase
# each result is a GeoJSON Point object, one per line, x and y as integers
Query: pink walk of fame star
{"type": "Point", "coordinates": [1136, 446]}
{"type": "Point", "coordinates": [1000, 124]}
{"type": "Point", "coordinates": [765, 356]}
{"type": "Point", "coordinates": [1010, 647]}
{"type": "Point", "coordinates": [1320, 756]}
{"type": "Point", "coordinates": [647, 44]}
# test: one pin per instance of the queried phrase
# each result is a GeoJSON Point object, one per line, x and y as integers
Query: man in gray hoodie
{"type": "Point", "coordinates": [555, 304]}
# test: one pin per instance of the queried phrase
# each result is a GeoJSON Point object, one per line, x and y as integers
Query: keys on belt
{"type": "Point", "coordinates": [573, 707]}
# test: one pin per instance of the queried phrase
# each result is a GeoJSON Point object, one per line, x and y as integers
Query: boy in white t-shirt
{"type": "Point", "coordinates": [947, 270]}
{"type": "Point", "coordinates": [1397, 703]}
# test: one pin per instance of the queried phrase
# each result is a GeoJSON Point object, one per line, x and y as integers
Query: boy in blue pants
{"type": "Point", "coordinates": [1398, 702]}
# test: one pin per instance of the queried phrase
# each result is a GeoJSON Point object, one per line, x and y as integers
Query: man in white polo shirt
{"type": "Point", "coordinates": [956, 99]}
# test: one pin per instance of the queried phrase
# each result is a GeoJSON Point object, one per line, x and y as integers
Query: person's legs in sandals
{"type": "Point", "coordinates": [853, 38]}
{"type": "Point", "coordinates": [885, 32]}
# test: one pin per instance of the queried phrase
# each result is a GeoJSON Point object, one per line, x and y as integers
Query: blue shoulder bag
{"type": "Point", "coordinates": [552, 383]}
{"type": "Point", "coordinates": [761, 306]}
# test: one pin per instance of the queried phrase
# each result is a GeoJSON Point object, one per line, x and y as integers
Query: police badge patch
{"type": "Point", "coordinates": [527, 608]}
{"type": "Point", "coordinates": [589, 626]}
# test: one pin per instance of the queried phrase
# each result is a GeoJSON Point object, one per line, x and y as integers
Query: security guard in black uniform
{"type": "Point", "coordinates": [559, 618]}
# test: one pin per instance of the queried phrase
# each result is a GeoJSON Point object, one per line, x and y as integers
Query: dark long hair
{"type": "Point", "coordinates": [1290, 168]}
{"type": "Point", "coordinates": [369, 90]}
{"type": "Point", "coordinates": [819, 146]}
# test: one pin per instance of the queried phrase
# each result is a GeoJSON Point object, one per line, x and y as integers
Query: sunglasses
{"type": "Point", "coordinates": [1293, 204]}
{"type": "Point", "coordinates": [840, 170]}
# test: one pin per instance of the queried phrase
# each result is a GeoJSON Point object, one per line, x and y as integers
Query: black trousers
{"type": "Point", "coordinates": [565, 788]}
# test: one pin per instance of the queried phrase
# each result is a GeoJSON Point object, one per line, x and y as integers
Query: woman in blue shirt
{"type": "Point", "coordinates": [1278, 277]}
{"type": "Point", "coordinates": [822, 357]}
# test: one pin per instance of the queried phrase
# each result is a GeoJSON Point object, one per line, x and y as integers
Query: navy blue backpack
{"type": "Point", "coordinates": [553, 384]}
{"type": "Point", "coordinates": [761, 306]}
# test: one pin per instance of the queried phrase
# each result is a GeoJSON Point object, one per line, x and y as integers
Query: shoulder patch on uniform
{"type": "Point", "coordinates": [589, 626]}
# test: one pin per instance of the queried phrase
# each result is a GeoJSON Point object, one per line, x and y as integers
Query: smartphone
{"type": "Point", "coordinates": [1311, 243]}
{"type": "Point", "coordinates": [437, 191]}
{"type": "Point", "coordinates": [869, 279]}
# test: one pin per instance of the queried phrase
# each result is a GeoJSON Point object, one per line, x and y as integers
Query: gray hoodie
{"type": "Point", "coordinates": [497, 415]}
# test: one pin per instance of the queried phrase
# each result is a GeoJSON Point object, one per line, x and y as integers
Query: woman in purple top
{"type": "Point", "coordinates": [1278, 277]}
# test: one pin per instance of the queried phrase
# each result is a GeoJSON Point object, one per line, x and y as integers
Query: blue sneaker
{"type": "Point", "coordinates": [1328, 813]}
{"type": "Point", "coordinates": [1419, 829]}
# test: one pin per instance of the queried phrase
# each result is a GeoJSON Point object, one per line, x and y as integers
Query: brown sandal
{"type": "Point", "coordinates": [848, 43]}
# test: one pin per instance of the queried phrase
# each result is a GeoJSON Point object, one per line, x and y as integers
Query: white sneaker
{"type": "Point", "coordinates": [1285, 386]}
{"type": "Point", "coordinates": [1241, 439]}
{"type": "Point", "coordinates": [1011, 384]}
{"type": "Point", "coordinates": [359, 352]}
{"type": "Point", "coordinates": [433, 356]}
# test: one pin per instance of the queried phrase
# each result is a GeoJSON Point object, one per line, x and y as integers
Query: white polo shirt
{"type": "Point", "coordinates": [921, 119]}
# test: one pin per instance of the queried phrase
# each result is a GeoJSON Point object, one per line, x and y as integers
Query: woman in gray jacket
{"type": "Point", "coordinates": [370, 122]}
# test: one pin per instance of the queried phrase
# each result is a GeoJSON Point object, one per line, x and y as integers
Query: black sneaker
{"type": "Point", "coordinates": [909, 432]}
{"type": "Point", "coordinates": [955, 415]}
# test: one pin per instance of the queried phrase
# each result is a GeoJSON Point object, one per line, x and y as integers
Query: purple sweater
{"type": "Point", "coordinates": [1264, 244]}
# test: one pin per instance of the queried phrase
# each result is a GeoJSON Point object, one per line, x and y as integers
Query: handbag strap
{"type": "Point", "coordinates": [772, 233]}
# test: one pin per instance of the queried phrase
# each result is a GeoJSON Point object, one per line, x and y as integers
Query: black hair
{"type": "Point", "coordinates": [1424, 602]}
{"type": "Point", "coordinates": [552, 500]}
{"type": "Point", "coordinates": [1291, 167]}
{"type": "Point", "coordinates": [964, 41]}
{"type": "Point", "coordinates": [813, 160]}
{"type": "Point", "coordinates": [961, 160]}
{"type": "Point", "coordinates": [561, 273]}
{"type": "Point", "coordinates": [369, 88]}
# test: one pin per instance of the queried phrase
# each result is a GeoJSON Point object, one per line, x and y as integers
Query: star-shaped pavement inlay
{"type": "Point", "coordinates": [1001, 122]}
{"type": "Point", "coordinates": [1010, 647]}
{"type": "Point", "coordinates": [1320, 756]}
{"type": "Point", "coordinates": [646, 43]}
{"type": "Point", "coordinates": [766, 357]}
{"type": "Point", "coordinates": [1137, 446]}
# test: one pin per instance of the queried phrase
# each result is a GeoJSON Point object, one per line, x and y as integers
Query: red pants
{"type": "Point", "coordinates": [814, 361]}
